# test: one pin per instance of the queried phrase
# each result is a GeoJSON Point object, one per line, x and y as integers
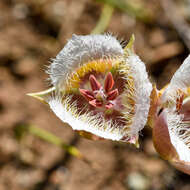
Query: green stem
{"type": "Point", "coordinates": [104, 19]}
{"type": "Point", "coordinates": [127, 7]}
{"type": "Point", "coordinates": [49, 137]}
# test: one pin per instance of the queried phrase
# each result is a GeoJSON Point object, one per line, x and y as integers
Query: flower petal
{"type": "Point", "coordinates": [171, 139]}
{"type": "Point", "coordinates": [180, 136]}
{"type": "Point", "coordinates": [182, 166]}
{"type": "Point", "coordinates": [180, 80]}
{"type": "Point", "coordinates": [142, 90]}
{"type": "Point", "coordinates": [81, 49]}
{"type": "Point", "coordinates": [67, 112]}
{"type": "Point", "coordinates": [161, 138]}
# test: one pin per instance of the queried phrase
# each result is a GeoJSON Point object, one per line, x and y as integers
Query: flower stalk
{"type": "Point", "coordinates": [53, 139]}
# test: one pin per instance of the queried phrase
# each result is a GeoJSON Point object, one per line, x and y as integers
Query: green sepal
{"type": "Point", "coordinates": [42, 96]}
{"type": "Point", "coordinates": [129, 49]}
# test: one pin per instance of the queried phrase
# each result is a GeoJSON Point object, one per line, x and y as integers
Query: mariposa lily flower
{"type": "Point", "coordinates": [100, 89]}
{"type": "Point", "coordinates": [171, 126]}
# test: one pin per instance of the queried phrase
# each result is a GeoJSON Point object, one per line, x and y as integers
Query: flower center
{"type": "Point", "coordinates": [99, 96]}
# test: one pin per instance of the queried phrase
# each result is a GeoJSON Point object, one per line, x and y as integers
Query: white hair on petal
{"type": "Point", "coordinates": [80, 49]}
{"type": "Point", "coordinates": [180, 80]}
{"type": "Point", "coordinates": [67, 112]}
{"type": "Point", "coordinates": [142, 91]}
{"type": "Point", "coordinates": [179, 132]}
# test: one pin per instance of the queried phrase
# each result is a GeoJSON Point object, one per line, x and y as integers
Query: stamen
{"type": "Point", "coordinates": [109, 82]}
{"type": "Point", "coordinates": [179, 101]}
{"type": "Point", "coordinates": [87, 94]}
{"type": "Point", "coordinates": [95, 85]}
{"type": "Point", "coordinates": [112, 94]}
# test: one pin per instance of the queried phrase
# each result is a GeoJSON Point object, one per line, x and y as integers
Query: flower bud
{"type": "Point", "coordinates": [171, 129]}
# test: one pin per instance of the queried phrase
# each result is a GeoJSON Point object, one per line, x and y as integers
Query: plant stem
{"type": "Point", "coordinates": [127, 7]}
{"type": "Point", "coordinates": [49, 137]}
{"type": "Point", "coordinates": [104, 19]}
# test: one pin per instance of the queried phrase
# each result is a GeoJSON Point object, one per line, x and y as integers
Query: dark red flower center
{"type": "Point", "coordinates": [101, 96]}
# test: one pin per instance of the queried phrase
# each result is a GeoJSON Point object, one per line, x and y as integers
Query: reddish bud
{"type": "Point", "coordinates": [112, 94]}
{"type": "Point", "coordinates": [109, 82]}
{"type": "Point", "coordinates": [95, 85]}
{"type": "Point", "coordinates": [87, 94]}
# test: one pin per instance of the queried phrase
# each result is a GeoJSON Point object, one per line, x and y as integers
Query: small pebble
{"type": "Point", "coordinates": [137, 181]}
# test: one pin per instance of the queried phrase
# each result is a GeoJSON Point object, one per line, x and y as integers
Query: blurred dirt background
{"type": "Point", "coordinates": [34, 31]}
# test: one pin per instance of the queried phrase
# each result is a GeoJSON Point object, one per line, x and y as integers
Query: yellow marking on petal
{"type": "Point", "coordinates": [188, 91]}
{"type": "Point", "coordinates": [98, 66]}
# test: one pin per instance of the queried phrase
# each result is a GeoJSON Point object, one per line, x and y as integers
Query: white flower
{"type": "Point", "coordinates": [100, 88]}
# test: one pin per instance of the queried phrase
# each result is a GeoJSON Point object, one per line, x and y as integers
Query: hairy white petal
{"type": "Point", "coordinates": [80, 49]}
{"type": "Point", "coordinates": [180, 80]}
{"type": "Point", "coordinates": [180, 135]}
{"type": "Point", "coordinates": [143, 89]}
{"type": "Point", "coordinates": [66, 111]}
